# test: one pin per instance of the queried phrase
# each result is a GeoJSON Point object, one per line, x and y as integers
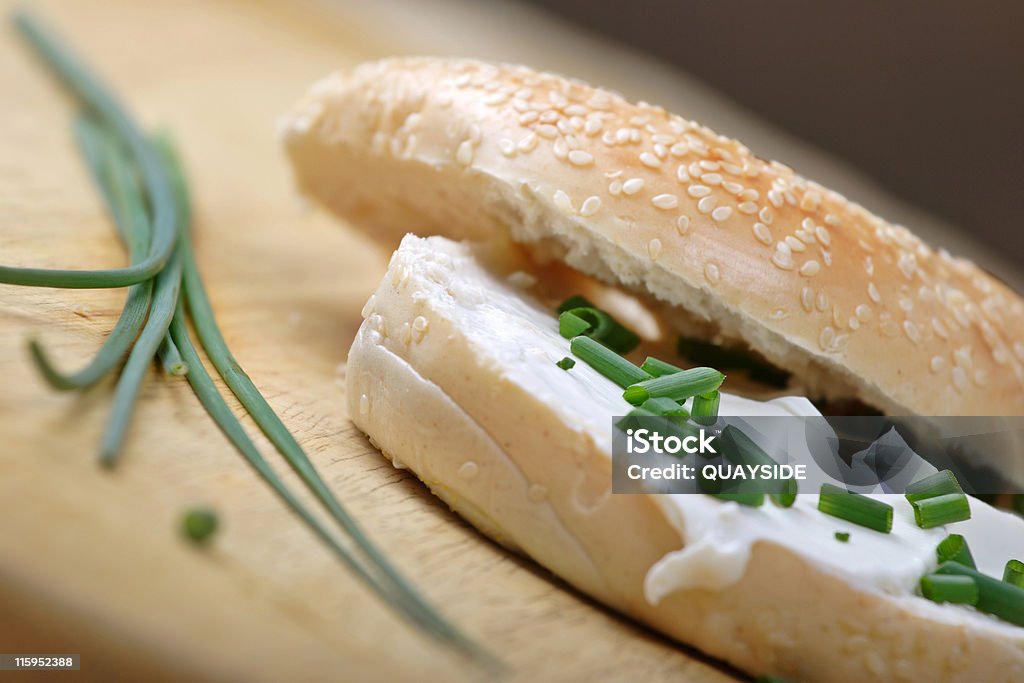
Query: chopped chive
{"type": "Point", "coordinates": [655, 367]}
{"type": "Point", "coordinates": [94, 96]}
{"type": "Point", "coordinates": [607, 362]}
{"type": "Point", "coordinates": [739, 448]}
{"type": "Point", "coordinates": [576, 301]}
{"type": "Point", "coordinates": [995, 597]}
{"type": "Point", "coordinates": [678, 386]}
{"type": "Point", "coordinates": [938, 484]}
{"type": "Point", "coordinates": [705, 408]}
{"type": "Point", "coordinates": [843, 536]}
{"type": "Point", "coordinates": [639, 418]}
{"type": "Point", "coordinates": [566, 363]}
{"type": "Point", "coordinates": [665, 407]}
{"type": "Point", "coordinates": [1013, 573]}
{"type": "Point", "coordinates": [786, 498]}
{"type": "Point", "coordinates": [600, 325]}
{"type": "Point", "coordinates": [199, 524]}
{"type": "Point", "coordinates": [856, 508]}
{"type": "Point", "coordinates": [954, 548]}
{"type": "Point", "coordinates": [939, 510]}
{"type": "Point", "coordinates": [960, 590]}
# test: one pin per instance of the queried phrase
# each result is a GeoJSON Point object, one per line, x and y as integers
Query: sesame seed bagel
{"type": "Point", "coordinates": [643, 198]}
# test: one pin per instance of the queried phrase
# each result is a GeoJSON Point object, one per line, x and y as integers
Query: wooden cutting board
{"type": "Point", "coordinates": [90, 560]}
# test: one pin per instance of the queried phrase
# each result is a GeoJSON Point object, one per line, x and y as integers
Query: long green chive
{"type": "Point", "coordinates": [170, 358]}
{"type": "Point", "coordinates": [98, 100]}
{"type": "Point", "coordinates": [602, 327]}
{"type": "Point", "coordinates": [112, 174]}
{"type": "Point", "coordinates": [704, 408]}
{"type": "Point", "coordinates": [566, 363]}
{"type": "Point", "coordinates": [655, 367]}
{"type": "Point", "coordinates": [843, 536]}
{"type": "Point", "coordinates": [678, 386]}
{"type": "Point", "coordinates": [856, 508]}
{"type": "Point", "coordinates": [199, 524]}
{"type": "Point", "coordinates": [996, 597]}
{"type": "Point", "coordinates": [960, 590]}
{"type": "Point", "coordinates": [571, 325]}
{"type": "Point", "coordinates": [938, 484]}
{"type": "Point", "coordinates": [607, 362]}
{"type": "Point", "coordinates": [270, 424]}
{"type": "Point", "coordinates": [939, 510]}
{"type": "Point", "coordinates": [665, 407]}
{"type": "Point", "coordinates": [954, 548]}
{"type": "Point", "coordinates": [1013, 573]}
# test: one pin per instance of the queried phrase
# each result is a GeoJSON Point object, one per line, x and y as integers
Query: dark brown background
{"type": "Point", "coordinates": [926, 97]}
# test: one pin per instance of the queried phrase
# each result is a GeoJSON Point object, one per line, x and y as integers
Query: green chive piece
{"type": "Point", "coordinates": [170, 358]}
{"type": "Point", "coordinates": [677, 386]}
{"type": "Point", "coordinates": [995, 597]}
{"type": "Point", "coordinates": [960, 590]}
{"type": "Point", "coordinates": [666, 425]}
{"type": "Point", "coordinates": [726, 358]}
{"type": "Point", "coordinates": [566, 363]}
{"type": "Point", "coordinates": [97, 99]}
{"type": "Point", "coordinates": [572, 302]}
{"type": "Point", "coordinates": [571, 325]}
{"type": "Point", "coordinates": [740, 449]}
{"type": "Point", "coordinates": [939, 510]}
{"type": "Point", "coordinates": [600, 326]}
{"type": "Point", "coordinates": [856, 508]}
{"type": "Point", "coordinates": [656, 367]}
{"type": "Point", "coordinates": [938, 484]}
{"type": "Point", "coordinates": [665, 407]}
{"type": "Point", "coordinates": [199, 524]}
{"type": "Point", "coordinates": [607, 362]}
{"type": "Point", "coordinates": [1013, 573]}
{"type": "Point", "coordinates": [705, 408]}
{"type": "Point", "coordinates": [786, 498]}
{"type": "Point", "coordinates": [954, 548]}
{"type": "Point", "coordinates": [843, 536]}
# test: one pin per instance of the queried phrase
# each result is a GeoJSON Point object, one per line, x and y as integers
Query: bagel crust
{"type": "Point", "coordinates": [646, 199]}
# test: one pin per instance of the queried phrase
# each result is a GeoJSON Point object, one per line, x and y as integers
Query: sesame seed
{"type": "Point", "coordinates": [707, 204]}
{"type": "Point", "coordinates": [807, 299]}
{"type": "Point", "coordinates": [795, 244]}
{"type": "Point", "coordinates": [578, 157]}
{"type": "Point", "coordinates": [937, 364]}
{"type": "Point", "coordinates": [731, 187]}
{"type": "Point", "coordinates": [683, 224]}
{"type": "Point", "coordinates": [698, 191]}
{"type": "Point", "coordinates": [775, 198]}
{"type": "Point", "coordinates": [831, 219]}
{"type": "Point", "coordinates": [762, 233]}
{"type": "Point", "coordinates": [721, 213]}
{"type": "Point", "coordinates": [869, 265]}
{"type": "Point", "coordinates": [959, 378]}
{"type": "Point", "coordinates": [681, 174]}
{"type": "Point", "coordinates": [962, 356]}
{"type": "Point", "coordinates": [633, 185]}
{"type": "Point", "coordinates": [750, 195]}
{"type": "Point", "coordinates": [563, 202]}
{"type": "Point", "coordinates": [765, 214]}
{"type": "Point", "coordinates": [783, 260]}
{"type": "Point", "coordinates": [665, 201]}
{"type": "Point", "coordinates": [475, 133]}
{"type": "Point", "coordinates": [654, 248]}
{"type": "Point", "coordinates": [712, 274]}
{"type": "Point", "coordinates": [939, 328]}
{"type": "Point", "coordinates": [549, 116]}
{"type": "Point", "coordinates": [911, 331]}
{"type": "Point", "coordinates": [873, 293]}
{"type": "Point", "coordinates": [507, 147]}
{"type": "Point", "coordinates": [906, 304]}
{"type": "Point", "coordinates": [546, 130]}
{"type": "Point", "coordinates": [590, 206]}
{"type": "Point", "coordinates": [980, 377]}
{"type": "Point", "coordinates": [649, 160]}
{"type": "Point", "coordinates": [615, 188]}
{"type": "Point", "coordinates": [711, 178]}
{"type": "Point", "coordinates": [464, 154]}
{"type": "Point", "coordinates": [660, 151]}
{"type": "Point", "coordinates": [679, 149]}
{"type": "Point", "coordinates": [1018, 349]}
{"type": "Point", "coordinates": [749, 208]}
{"type": "Point", "coordinates": [593, 126]}
{"type": "Point", "coordinates": [810, 268]}
{"type": "Point", "coordinates": [821, 302]}
{"type": "Point", "coordinates": [863, 312]}
{"type": "Point", "coordinates": [560, 149]}
{"type": "Point", "coordinates": [854, 323]}
{"type": "Point", "coordinates": [709, 165]}
{"type": "Point", "coordinates": [827, 338]}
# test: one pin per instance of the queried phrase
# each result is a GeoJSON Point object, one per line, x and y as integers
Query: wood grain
{"type": "Point", "coordinates": [90, 560]}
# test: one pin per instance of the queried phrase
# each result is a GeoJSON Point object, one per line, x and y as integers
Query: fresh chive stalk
{"type": "Point", "coordinates": [571, 325]}
{"type": "Point", "coordinates": [604, 328]}
{"type": "Point", "coordinates": [995, 597]}
{"type": "Point", "coordinates": [740, 449]}
{"type": "Point", "coordinates": [677, 386]}
{"type": "Point", "coordinates": [704, 408]}
{"type": "Point", "coordinates": [938, 484]}
{"type": "Point", "coordinates": [960, 590]}
{"type": "Point", "coordinates": [170, 358]}
{"type": "Point", "coordinates": [566, 363]}
{"type": "Point", "coordinates": [843, 536]}
{"type": "Point", "coordinates": [954, 548]}
{"type": "Point", "coordinates": [1013, 573]}
{"type": "Point", "coordinates": [856, 508]}
{"type": "Point", "coordinates": [607, 362]}
{"type": "Point", "coordinates": [199, 524]}
{"type": "Point", "coordinates": [97, 99]}
{"type": "Point", "coordinates": [655, 367]}
{"type": "Point", "coordinates": [665, 407]}
{"type": "Point", "coordinates": [939, 510]}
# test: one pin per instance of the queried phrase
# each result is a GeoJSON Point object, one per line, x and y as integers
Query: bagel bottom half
{"type": "Point", "coordinates": [428, 385]}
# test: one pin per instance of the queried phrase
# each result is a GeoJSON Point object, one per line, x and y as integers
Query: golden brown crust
{"type": "Point", "coordinates": [637, 196]}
